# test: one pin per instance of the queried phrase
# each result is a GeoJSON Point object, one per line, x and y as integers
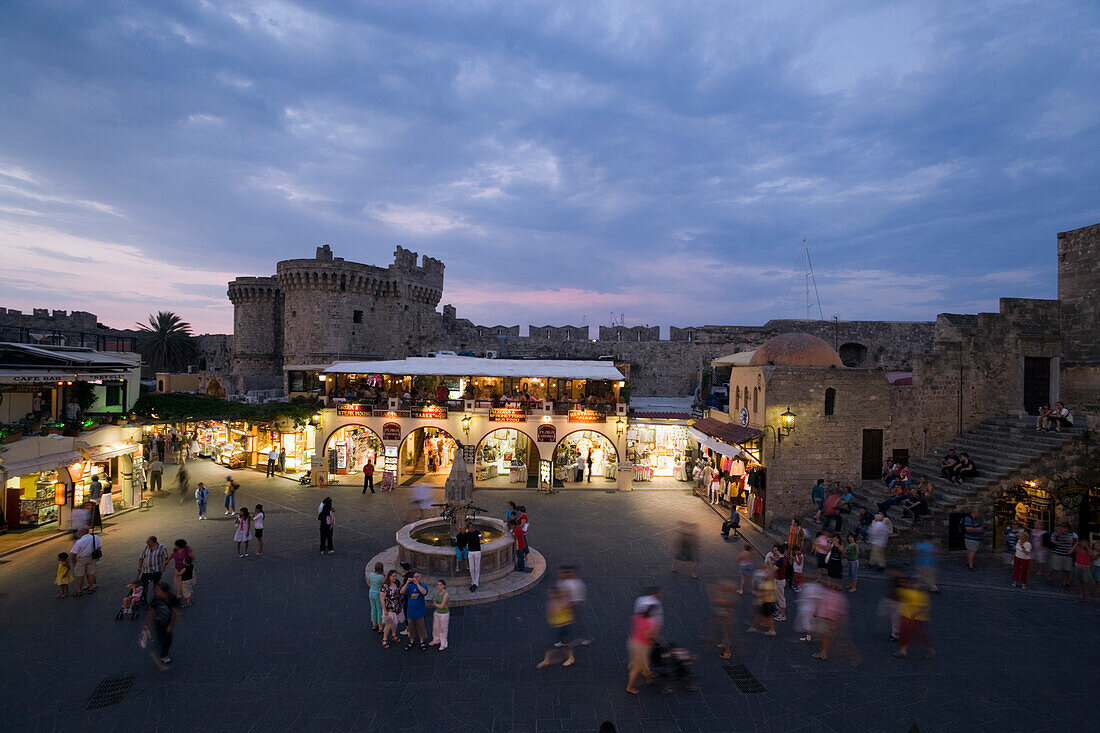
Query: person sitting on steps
{"type": "Point", "coordinates": [964, 469]}
{"type": "Point", "coordinates": [948, 463]}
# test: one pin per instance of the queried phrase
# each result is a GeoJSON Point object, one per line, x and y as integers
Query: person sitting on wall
{"type": "Point", "coordinates": [846, 499]}
{"type": "Point", "coordinates": [964, 469]}
{"type": "Point", "coordinates": [890, 472]}
{"type": "Point", "coordinates": [948, 463]}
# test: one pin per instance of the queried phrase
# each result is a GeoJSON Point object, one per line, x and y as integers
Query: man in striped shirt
{"type": "Point", "coordinates": [1061, 544]}
{"type": "Point", "coordinates": [152, 562]}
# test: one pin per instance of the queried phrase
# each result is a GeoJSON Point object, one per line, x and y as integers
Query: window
{"type": "Point", "coordinates": [755, 398]}
{"type": "Point", "coordinates": [830, 401]}
{"type": "Point", "coordinates": [357, 316]}
{"type": "Point", "coordinates": [114, 395]}
{"type": "Point", "coordinates": [737, 399]}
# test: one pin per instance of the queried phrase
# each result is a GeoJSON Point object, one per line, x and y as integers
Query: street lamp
{"type": "Point", "coordinates": [787, 424]}
{"type": "Point", "coordinates": [466, 420]}
{"type": "Point", "coordinates": [619, 427]}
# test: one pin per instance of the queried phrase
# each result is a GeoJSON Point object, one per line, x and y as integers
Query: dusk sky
{"type": "Point", "coordinates": [662, 160]}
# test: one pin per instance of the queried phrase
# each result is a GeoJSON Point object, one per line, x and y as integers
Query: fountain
{"type": "Point", "coordinates": [428, 545]}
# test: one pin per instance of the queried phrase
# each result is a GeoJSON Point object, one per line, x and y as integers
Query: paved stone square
{"type": "Point", "coordinates": [283, 642]}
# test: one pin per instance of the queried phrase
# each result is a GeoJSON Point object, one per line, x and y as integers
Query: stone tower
{"type": "Point", "coordinates": [319, 310]}
{"type": "Point", "coordinates": [1079, 293]}
{"type": "Point", "coordinates": [257, 326]}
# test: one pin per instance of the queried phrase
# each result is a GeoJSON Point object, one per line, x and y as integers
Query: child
{"type": "Point", "coordinates": [187, 578]}
{"type": "Point", "coordinates": [796, 562]}
{"type": "Point", "coordinates": [64, 575]}
{"type": "Point", "coordinates": [137, 592]}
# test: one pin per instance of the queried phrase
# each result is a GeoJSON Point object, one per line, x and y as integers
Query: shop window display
{"type": "Point", "coordinates": [349, 448]}
{"type": "Point", "coordinates": [573, 452]}
{"type": "Point", "coordinates": [427, 451]}
{"type": "Point", "coordinates": [31, 499]}
{"type": "Point", "coordinates": [1031, 506]}
{"type": "Point", "coordinates": [507, 455]}
{"type": "Point", "coordinates": [661, 450]}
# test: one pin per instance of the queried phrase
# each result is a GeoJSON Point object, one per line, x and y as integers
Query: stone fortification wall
{"type": "Point", "coordinates": [215, 352]}
{"type": "Point", "coordinates": [62, 328]}
{"type": "Point", "coordinates": [672, 367]}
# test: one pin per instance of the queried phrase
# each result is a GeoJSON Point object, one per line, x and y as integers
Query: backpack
{"type": "Point", "coordinates": [788, 572]}
{"type": "Point", "coordinates": [97, 548]}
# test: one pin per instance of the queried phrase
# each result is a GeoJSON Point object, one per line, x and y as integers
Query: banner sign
{"type": "Point", "coordinates": [586, 416]}
{"type": "Point", "coordinates": [353, 410]}
{"type": "Point", "coordinates": [429, 412]}
{"type": "Point", "coordinates": [391, 431]}
{"type": "Point", "coordinates": [547, 433]}
{"type": "Point", "coordinates": [507, 414]}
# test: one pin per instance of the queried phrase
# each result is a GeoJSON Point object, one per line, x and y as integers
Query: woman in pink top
{"type": "Point", "coordinates": [639, 645]}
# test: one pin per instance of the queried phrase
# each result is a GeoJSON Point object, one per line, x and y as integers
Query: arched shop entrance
{"type": "Point", "coordinates": [426, 456]}
{"type": "Point", "coordinates": [506, 457]}
{"type": "Point", "coordinates": [351, 446]}
{"type": "Point", "coordinates": [580, 445]}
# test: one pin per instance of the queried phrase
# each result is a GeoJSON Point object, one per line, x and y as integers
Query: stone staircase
{"type": "Point", "coordinates": [999, 448]}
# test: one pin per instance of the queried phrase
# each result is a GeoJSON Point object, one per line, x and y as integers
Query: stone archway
{"type": "Point", "coordinates": [493, 464]}
{"type": "Point", "coordinates": [425, 455]}
{"type": "Point", "coordinates": [853, 355]}
{"type": "Point", "coordinates": [583, 442]}
{"type": "Point", "coordinates": [359, 443]}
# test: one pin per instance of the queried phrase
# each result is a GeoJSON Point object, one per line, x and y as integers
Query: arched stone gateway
{"type": "Point", "coordinates": [506, 457]}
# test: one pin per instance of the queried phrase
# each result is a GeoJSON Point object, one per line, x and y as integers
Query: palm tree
{"type": "Point", "coordinates": [166, 343]}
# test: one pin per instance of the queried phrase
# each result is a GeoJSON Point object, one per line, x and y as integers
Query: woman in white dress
{"type": "Point", "coordinates": [243, 526]}
{"type": "Point", "coordinates": [106, 501]}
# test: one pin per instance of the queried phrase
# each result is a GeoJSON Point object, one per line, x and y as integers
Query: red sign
{"type": "Point", "coordinates": [547, 434]}
{"type": "Point", "coordinates": [586, 416]}
{"type": "Point", "coordinates": [391, 431]}
{"type": "Point", "coordinates": [430, 412]}
{"type": "Point", "coordinates": [507, 414]}
{"type": "Point", "coordinates": [353, 410]}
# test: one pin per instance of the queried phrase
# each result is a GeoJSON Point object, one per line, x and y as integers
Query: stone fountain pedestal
{"type": "Point", "coordinates": [497, 557]}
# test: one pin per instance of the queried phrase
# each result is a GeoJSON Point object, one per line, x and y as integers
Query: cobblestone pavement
{"type": "Point", "coordinates": [283, 642]}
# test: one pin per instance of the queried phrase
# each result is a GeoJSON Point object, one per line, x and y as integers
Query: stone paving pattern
{"type": "Point", "coordinates": [283, 642]}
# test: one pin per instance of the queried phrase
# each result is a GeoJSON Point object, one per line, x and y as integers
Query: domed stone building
{"type": "Point", "coordinates": [842, 420]}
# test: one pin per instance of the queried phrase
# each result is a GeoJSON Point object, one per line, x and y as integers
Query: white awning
{"type": "Point", "coordinates": [101, 452]}
{"type": "Point", "coordinates": [469, 366]}
{"type": "Point", "coordinates": [41, 463]}
{"type": "Point", "coordinates": [725, 449]}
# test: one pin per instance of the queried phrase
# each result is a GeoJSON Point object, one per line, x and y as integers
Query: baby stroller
{"type": "Point", "coordinates": [136, 606]}
{"type": "Point", "coordinates": [672, 665]}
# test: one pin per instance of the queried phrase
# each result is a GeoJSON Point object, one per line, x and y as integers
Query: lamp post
{"type": "Point", "coordinates": [787, 424]}
{"type": "Point", "coordinates": [620, 426]}
{"type": "Point", "coordinates": [466, 421]}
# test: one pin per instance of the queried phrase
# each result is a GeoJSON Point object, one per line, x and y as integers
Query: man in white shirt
{"type": "Point", "coordinates": [1062, 417]}
{"type": "Point", "coordinates": [272, 461]}
{"type": "Point", "coordinates": [878, 533]}
{"type": "Point", "coordinates": [84, 565]}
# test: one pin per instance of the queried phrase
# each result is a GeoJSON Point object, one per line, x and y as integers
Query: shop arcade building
{"type": "Point", "coordinates": [536, 424]}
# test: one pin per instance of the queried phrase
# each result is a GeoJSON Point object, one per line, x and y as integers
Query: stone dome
{"type": "Point", "coordinates": [796, 349]}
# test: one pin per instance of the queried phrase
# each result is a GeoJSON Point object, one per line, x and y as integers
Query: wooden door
{"type": "Point", "coordinates": [872, 455]}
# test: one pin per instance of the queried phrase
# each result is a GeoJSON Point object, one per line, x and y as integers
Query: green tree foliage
{"type": "Point", "coordinates": [166, 343]}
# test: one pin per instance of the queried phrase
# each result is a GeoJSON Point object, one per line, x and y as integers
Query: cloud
{"type": "Point", "coordinates": [563, 159]}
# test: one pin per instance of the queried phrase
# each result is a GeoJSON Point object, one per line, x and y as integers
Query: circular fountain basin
{"type": "Point", "coordinates": [426, 545]}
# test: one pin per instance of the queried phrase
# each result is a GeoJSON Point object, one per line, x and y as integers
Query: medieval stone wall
{"type": "Point", "coordinates": [215, 352]}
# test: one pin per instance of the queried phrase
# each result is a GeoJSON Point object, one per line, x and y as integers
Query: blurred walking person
{"type": "Point", "coordinates": [913, 607]}
{"type": "Point", "coordinates": [831, 614]}
{"type": "Point", "coordinates": [326, 521]}
{"type": "Point", "coordinates": [559, 614]}
{"type": "Point", "coordinates": [723, 599]}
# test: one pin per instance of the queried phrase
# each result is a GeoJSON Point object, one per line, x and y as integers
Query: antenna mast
{"type": "Point", "coordinates": [811, 279]}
